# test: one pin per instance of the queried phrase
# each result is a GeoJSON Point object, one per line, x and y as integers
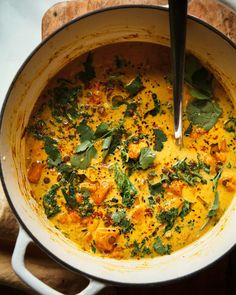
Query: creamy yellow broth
{"type": "Point", "coordinates": [102, 160]}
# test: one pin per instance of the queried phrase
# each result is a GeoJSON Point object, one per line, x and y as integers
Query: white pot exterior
{"type": "Point", "coordinates": [96, 29]}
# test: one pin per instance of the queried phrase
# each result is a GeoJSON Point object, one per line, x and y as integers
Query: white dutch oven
{"type": "Point", "coordinates": [128, 23]}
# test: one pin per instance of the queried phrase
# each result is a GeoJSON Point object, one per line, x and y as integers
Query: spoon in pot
{"type": "Point", "coordinates": [178, 20]}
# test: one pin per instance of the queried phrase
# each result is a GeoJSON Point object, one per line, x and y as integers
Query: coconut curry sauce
{"type": "Point", "coordinates": [102, 160]}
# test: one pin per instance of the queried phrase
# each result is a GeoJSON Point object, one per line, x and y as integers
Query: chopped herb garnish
{"type": "Point", "coordinates": [153, 112]}
{"type": "Point", "coordinates": [125, 186]}
{"type": "Point", "coordinates": [230, 124]}
{"type": "Point", "coordinates": [49, 202]}
{"type": "Point", "coordinates": [50, 147]}
{"type": "Point", "coordinates": [160, 137]}
{"type": "Point", "coordinates": [168, 218]}
{"type": "Point", "coordinates": [160, 248]}
{"type": "Point", "coordinates": [119, 219]}
{"type": "Point", "coordinates": [185, 209]}
{"type": "Point", "coordinates": [216, 203]}
{"type": "Point", "coordinates": [135, 86]}
{"type": "Point", "coordinates": [140, 249]}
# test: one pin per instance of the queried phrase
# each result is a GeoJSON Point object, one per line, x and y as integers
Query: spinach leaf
{"type": "Point", "coordinates": [160, 248]}
{"type": "Point", "coordinates": [130, 110]}
{"type": "Point", "coordinates": [160, 137]}
{"type": "Point", "coordinates": [216, 203]}
{"type": "Point", "coordinates": [49, 202]}
{"type": "Point", "coordinates": [147, 157]}
{"type": "Point", "coordinates": [82, 159]}
{"type": "Point", "coordinates": [85, 132]}
{"type": "Point", "coordinates": [185, 209]}
{"type": "Point", "coordinates": [198, 78]}
{"type": "Point", "coordinates": [50, 147]}
{"type": "Point", "coordinates": [156, 108]}
{"type": "Point", "coordinates": [168, 218]}
{"type": "Point", "coordinates": [230, 124]}
{"type": "Point", "coordinates": [189, 130]}
{"type": "Point", "coordinates": [156, 188]}
{"type": "Point", "coordinates": [70, 196]}
{"type": "Point", "coordinates": [119, 219]}
{"type": "Point", "coordinates": [125, 186]}
{"type": "Point", "coordinates": [89, 72]}
{"type": "Point", "coordinates": [203, 113]}
{"type": "Point", "coordinates": [135, 86]}
{"type": "Point", "coordinates": [117, 101]}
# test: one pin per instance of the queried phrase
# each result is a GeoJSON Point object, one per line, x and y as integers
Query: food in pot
{"type": "Point", "coordinates": [101, 156]}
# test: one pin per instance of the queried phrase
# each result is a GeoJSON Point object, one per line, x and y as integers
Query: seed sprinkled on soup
{"type": "Point", "coordinates": [101, 156]}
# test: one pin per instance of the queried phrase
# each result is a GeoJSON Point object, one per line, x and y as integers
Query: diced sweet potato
{"type": "Point", "coordinates": [134, 149]}
{"type": "Point", "coordinates": [223, 146]}
{"type": "Point", "coordinates": [138, 215]}
{"type": "Point", "coordinates": [35, 172]}
{"type": "Point", "coordinates": [74, 217]}
{"type": "Point", "coordinates": [105, 239]}
{"type": "Point", "coordinates": [176, 188]}
{"type": "Point", "coordinates": [118, 253]}
{"type": "Point", "coordinates": [101, 192]}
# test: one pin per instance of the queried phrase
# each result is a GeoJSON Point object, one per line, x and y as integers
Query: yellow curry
{"type": "Point", "coordinates": [101, 156]}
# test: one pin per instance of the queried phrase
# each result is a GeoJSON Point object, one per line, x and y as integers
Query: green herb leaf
{"type": "Point", "coordinates": [156, 108]}
{"type": "Point", "coordinates": [70, 196]}
{"type": "Point", "coordinates": [198, 78]}
{"type": "Point", "coordinates": [215, 205]}
{"type": "Point", "coordinates": [101, 130]}
{"type": "Point", "coordinates": [85, 208]}
{"type": "Point", "coordinates": [160, 248]}
{"type": "Point", "coordinates": [125, 186]}
{"type": "Point", "coordinates": [160, 137]}
{"type": "Point", "coordinates": [119, 219]}
{"type": "Point", "coordinates": [203, 113]}
{"type": "Point", "coordinates": [130, 110]}
{"type": "Point", "coordinates": [50, 147]}
{"type": "Point", "coordinates": [135, 86]}
{"type": "Point", "coordinates": [85, 132]}
{"type": "Point", "coordinates": [156, 188]}
{"type": "Point", "coordinates": [117, 101]}
{"type": "Point", "coordinates": [147, 157]}
{"type": "Point", "coordinates": [185, 209]}
{"type": "Point", "coordinates": [168, 218]}
{"type": "Point", "coordinates": [83, 146]}
{"type": "Point", "coordinates": [140, 250]}
{"type": "Point", "coordinates": [83, 160]}
{"type": "Point", "coordinates": [49, 202]}
{"type": "Point", "coordinates": [89, 72]}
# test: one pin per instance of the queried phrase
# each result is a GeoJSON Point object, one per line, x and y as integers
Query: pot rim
{"type": "Point", "coordinates": [30, 56]}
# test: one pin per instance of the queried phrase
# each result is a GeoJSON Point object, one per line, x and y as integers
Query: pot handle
{"type": "Point", "coordinates": [18, 265]}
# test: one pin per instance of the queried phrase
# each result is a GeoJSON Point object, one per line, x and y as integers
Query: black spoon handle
{"type": "Point", "coordinates": [178, 19]}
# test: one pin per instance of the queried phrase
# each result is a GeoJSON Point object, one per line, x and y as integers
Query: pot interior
{"type": "Point", "coordinates": [147, 24]}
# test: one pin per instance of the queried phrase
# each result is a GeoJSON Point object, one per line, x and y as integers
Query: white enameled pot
{"type": "Point", "coordinates": [117, 24]}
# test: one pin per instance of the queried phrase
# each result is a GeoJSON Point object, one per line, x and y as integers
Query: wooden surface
{"type": "Point", "coordinates": [208, 10]}
{"type": "Point", "coordinates": [218, 279]}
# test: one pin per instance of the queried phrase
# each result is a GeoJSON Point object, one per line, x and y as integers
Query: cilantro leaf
{"type": "Point", "coordinates": [156, 108]}
{"type": "Point", "coordinates": [117, 101]}
{"type": "Point", "coordinates": [160, 137]}
{"type": "Point", "coordinates": [70, 196]}
{"type": "Point", "coordinates": [49, 202]}
{"type": "Point", "coordinates": [168, 217]}
{"type": "Point", "coordinates": [160, 248]}
{"type": "Point", "coordinates": [85, 132]}
{"type": "Point", "coordinates": [82, 159]}
{"type": "Point", "coordinates": [139, 249]}
{"type": "Point", "coordinates": [131, 108]}
{"type": "Point", "coordinates": [50, 147]}
{"type": "Point", "coordinates": [147, 157]}
{"type": "Point", "coordinates": [119, 219]}
{"type": "Point", "coordinates": [203, 113]}
{"type": "Point", "coordinates": [101, 130]}
{"type": "Point", "coordinates": [135, 86]}
{"type": "Point", "coordinates": [125, 186]}
{"type": "Point", "coordinates": [89, 72]}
